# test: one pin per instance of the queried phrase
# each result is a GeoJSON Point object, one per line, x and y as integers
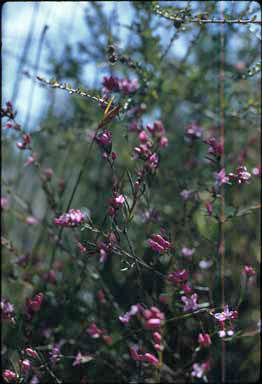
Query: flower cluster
{"type": "Point", "coordinates": [153, 320]}
{"type": "Point", "coordinates": [114, 84]}
{"type": "Point", "coordinates": [226, 316]}
{"type": "Point", "coordinates": [241, 176]}
{"type": "Point", "coordinates": [158, 243]}
{"type": "Point", "coordinates": [144, 151]}
{"type": "Point", "coordinates": [71, 219]}
{"type": "Point", "coordinates": [138, 355]}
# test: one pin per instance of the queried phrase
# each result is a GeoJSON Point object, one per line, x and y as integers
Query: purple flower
{"type": "Point", "coordinates": [127, 316]}
{"type": "Point", "coordinates": [200, 369]}
{"type": "Point", "coordinates": [128, 86]}
{"type": "Point", "coordinates": [111, 83]}
{"type": "Point", "coordinates": [55, 354]}
{"type": "Point", "coordinates": [187, 252]}
{"type": "Point", "coordinates": [221, 177]}
{"type": "Point", "coordinates": [190, 303]}
{"type": "Point", "coordinates": [7, 311]}
{"type": "Point", "coordinates": [226, 314]}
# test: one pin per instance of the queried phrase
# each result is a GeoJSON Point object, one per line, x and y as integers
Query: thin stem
{"type": "Point", "coordinates": [222, 211]}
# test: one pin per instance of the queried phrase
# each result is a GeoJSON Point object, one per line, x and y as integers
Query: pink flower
{"type": "Point", "coordinates": [143, 137]}
{"type": "Point", "coordinates": [153, 161]}
{"type": "Point", "coordinates": [32, 353]}
{"type": "Point", "coordinates": [249, 271]}
{"type": "Point", "coordinates": [71, 219]}
{"type": "Point", "coordinates": [158, 243]}
{"type": "Point", "coordinates": [103, 255]}
{"type": "Point", "coordinates": [125, 318]}
{"type": "Point", "coordinates": [134, 353]}
{"type": "Point", "coordinates": [9, 375]}
{"type": "Point", "coordinates": [4, 202]}
{"type": "Point", "coordinates": [81, 247]}
{"type": "Point", "coordinates": [159, 347]}
{"type": "Point", "coordinates": [157, 337]}
{"type": "Point", "coordinates": [151, 359]}
{"type": "Point", "coordinates": [163, 142]}
{"type": "Point", "coordinates": [209, 208]}
{"type": "Point", "coordinates": [190, 303]}
{"type": "Point", "coordinates": [186, 288]}
{"type": "Point", "coordinates": [119, 200]}
{"type": "Point", "coordinates": [94, 331]}
{"type": "Point", "coordinates": [153, 323]}
{"type": "Point", "coordinates": [31, 220]}
{"type": "Point", "coordinates": [204, 339]}
{"type": "Point", "coordinates": [25, 365]}
{"type": "Point", "coordinates": [33, 305]}
{"type": "Point", "coordinates": [135, 309]}
{"type": "Point", "coordinates": [257, 171]}
{"type": "Point", "coordinates": [178, 276]}
{"type": "Point", "coordinates": [128, 86]}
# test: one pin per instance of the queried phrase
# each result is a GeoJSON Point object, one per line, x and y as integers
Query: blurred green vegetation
{"type": "Point", "coordinates": [177, 90]}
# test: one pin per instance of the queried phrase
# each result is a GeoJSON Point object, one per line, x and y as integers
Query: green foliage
{"type": "Point", "coordinates": [179, 90]}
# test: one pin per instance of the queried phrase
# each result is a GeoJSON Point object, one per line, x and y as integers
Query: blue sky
{"type": "Point", "coordinates": [66, 25]}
